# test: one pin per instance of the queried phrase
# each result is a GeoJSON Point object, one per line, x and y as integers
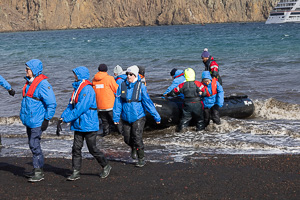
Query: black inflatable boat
{"type": "Point", "coordinates": [170, 109]}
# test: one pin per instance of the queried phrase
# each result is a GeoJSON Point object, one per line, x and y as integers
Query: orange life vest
{"type": "Point", "coordinates": [33, 86]}
{"type": "Point", "coordinates": [213, 88]}
{"type": "Point", "coordinates": [82, 85]}
{"type": "Point", "coordinates": [143, 80]}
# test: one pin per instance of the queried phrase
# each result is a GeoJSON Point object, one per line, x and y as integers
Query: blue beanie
{"type": "Point", "coordinates": [205, 53]}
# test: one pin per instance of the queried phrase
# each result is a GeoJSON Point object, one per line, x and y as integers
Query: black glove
{"type": "Point", "coordinates": [11, 92]}
{"type": "Point", "coordinates": [172, 94]}
{"type": "Point", "coordinates": [45, 125]}
{"type": "Point", "coordinates": [58, 128]}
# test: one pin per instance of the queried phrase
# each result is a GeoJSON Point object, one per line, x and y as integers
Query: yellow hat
{"type": "Point", "coordinates": [189, 74]}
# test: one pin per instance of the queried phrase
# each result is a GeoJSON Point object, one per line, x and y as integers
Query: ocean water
{"type": "Point", "coordinates": [261, 61]}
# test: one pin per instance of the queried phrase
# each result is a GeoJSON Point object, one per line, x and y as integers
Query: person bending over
{"type": "Point", "coordinates": [192, 105]}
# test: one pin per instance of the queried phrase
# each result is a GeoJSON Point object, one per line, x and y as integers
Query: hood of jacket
{"type": "Point", "coordinates": [100, 75]}
{"type": "Point", "coordinates": [123, 76]}
{"type": "Point", "coordinates": [82, 73]}
{"type": "Point", "coordinates": [189, 74]}
{"type": "Point", "coordinates": [177, 73]}
{"type": "Point", "coordinates": [206, 74]}
{"type": "Point", "coordinates": [36, 66]}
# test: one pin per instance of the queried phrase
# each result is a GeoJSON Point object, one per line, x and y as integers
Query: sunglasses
{"type": "Point", "coordinates": [130, 74]}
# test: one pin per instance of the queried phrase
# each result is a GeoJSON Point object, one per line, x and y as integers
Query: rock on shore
{"type": "Point", "coordinates": [25, 15]}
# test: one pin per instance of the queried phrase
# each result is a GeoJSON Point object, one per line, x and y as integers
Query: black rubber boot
{"type": "Point", "coordinates": [133, 153]}
{"type": "Point", "coordinates": [38, 175]}
{"type": "Point", "coordinates": [200, 126]}
{"type": "Point", "coordinates": [106, 171]}
{"type": "Point", "coordinates": [29, 174]}
{"type": "Point", "coordinates": [74, 176]}
{"type": "Point", "coordinates": [141, 158]}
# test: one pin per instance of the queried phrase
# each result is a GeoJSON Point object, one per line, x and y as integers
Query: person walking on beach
{"type": "Point", "coordinates": [132, 100]}
{"type": "Point", "coordinates": [81, 112]}
{"type": "Point", "coordinates": [37, 108]}
{"type": "Point", "coordinates": [8, 87]}
{"type": "Point", "coordinates": [119, 74]}
{"type": "Point", "coordinates": [213, 98]}
{"type": "Point", "coordinates": [105, 88]}
{"type": "Point", "coordinates": [211, 65]}
{"type": "Point", "coordinates": [178, 78]}
{"type": "Point", "coordinates": [192, 105]}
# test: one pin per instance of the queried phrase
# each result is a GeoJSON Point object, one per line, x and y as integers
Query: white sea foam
{"type": "Point", "coordinates": [273, 109]}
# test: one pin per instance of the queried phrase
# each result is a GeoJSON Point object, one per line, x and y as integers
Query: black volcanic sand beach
{"type": "Point", "coordinates": [217, 177]}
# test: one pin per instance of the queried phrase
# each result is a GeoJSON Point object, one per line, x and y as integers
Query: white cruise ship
{"type": "Point", "coordinates": [285, 11]}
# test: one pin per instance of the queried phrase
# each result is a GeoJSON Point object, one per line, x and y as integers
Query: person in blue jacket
{"type": "Point", "coordinates": [131, 103]}
{"type": "Point", "coordinates": [178, 78]}
{"type": "Point", "coordinates": [37, 108]}
{"type": "Point", "coordinates": [119, 74]}
{"type": "Point", "coordinates": [213, 98]}
{"type": "Point", "coordinates": [81, 112]}
{"type": "Point", "coordinates": [7, 86]}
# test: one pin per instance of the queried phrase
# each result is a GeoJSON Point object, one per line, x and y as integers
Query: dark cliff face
{"type": "Point", "coordinates": [23, 15]}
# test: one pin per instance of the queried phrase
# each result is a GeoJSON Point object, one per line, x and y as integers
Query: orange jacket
{"type": "Point", "coordinates": [105, 87]}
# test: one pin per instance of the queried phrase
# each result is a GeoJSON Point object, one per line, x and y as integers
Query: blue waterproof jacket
{"type": "Point", "coordinates": [4, 83]}
{"type": "Point", "coordinates": [176, 82]}
{"type": "Point", "coordinates": [82, 115]}
{"type": "Point", "coordinates": [34, 111]}
{"type": "Point", "coordinates": [120, 78]}
{"type": "Point", "coordinates": [133, 111]}
{"type": "Point", "coordinates": [217, 99]}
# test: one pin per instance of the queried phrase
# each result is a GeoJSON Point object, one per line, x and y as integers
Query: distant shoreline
{"type": "Point", "coordinates": [66, 14]}
{"type": "Point", "coordinates": [234, 22]}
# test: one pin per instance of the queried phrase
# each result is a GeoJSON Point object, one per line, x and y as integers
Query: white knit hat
{"type": "Point", "coordinates": [118, 70]}
{"type": "Point", "coordinates": [133, 69]}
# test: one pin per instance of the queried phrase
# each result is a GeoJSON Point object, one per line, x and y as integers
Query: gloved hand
{"type": "Point", "coordinates": [45, 125]}
{"type": "Point", "coordinates": [58, 128]}
{"type": "Point", "coordinates": [11, 92]}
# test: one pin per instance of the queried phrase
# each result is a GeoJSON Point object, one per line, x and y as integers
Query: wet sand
{"type": "Point", "coordinates": [217, 177]}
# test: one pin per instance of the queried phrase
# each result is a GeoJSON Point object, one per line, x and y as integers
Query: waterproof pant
{"type": "Point", "coordinates": [34, 137]}
{"type": "Point", "coordinates": [107, 121]}
{"type": "Point", "coordinates": [133, 133]}
{"type": "Point", "coordinates": [212, 113]}
{"type": "Point", "coordinates": [192, 110]}
{"type": "Point", "coordinates": [90, 138]}
{"type": "Point", "coordinates": [120, 127]}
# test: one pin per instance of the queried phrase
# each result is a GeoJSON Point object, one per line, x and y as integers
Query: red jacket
{"type": "Point", "coordinates": [198, 84]}
{"type": "Point", "coordinates": [211, 65]}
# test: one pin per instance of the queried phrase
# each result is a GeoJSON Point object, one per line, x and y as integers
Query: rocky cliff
{"type": "Point", "coordinates": [23, 15]}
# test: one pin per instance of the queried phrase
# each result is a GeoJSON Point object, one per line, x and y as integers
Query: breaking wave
{"type": "Point", "coordinates": [269, 109]}
{"type": "Point", "coordinates": [273, 109]}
